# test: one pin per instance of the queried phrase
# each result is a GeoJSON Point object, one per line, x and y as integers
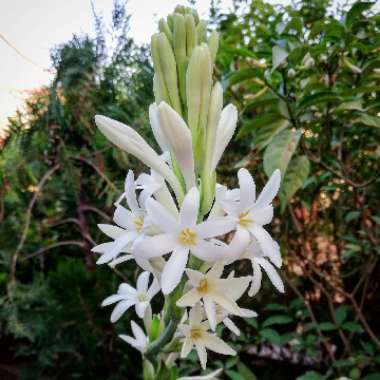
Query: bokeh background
{"type": "Point", "coordinates": [305, 77]}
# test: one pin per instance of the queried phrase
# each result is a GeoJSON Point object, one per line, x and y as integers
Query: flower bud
{"type": "Point", "coordinates": [213, 44]}
{"type": "Point", "coordinates": [164, 28]}
{"type": "Point", "coordinates": [191, 34]}
{"type": "Point", "coordinates": [201, 32]}
{"type": "Point", "coordinates": [291, 73]}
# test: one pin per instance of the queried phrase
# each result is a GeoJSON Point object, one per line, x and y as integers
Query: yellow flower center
{"type": "Point", "coordinates": [138, 223]}
{"type": "Point", "coordinates": [195, 333]}
{"type": "Point", "coordinates": [203, 286]}
{"type": "Point", "coordinates": [188, 237]}
{"type": "Point", "coordinates": [244, 220]}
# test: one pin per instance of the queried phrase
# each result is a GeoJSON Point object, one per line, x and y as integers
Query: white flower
{"type": "Point", "coordinates": [255, 254]}
{"type": "Point", "coordinates": [182, 234]}
{"type": "Point", "coordinates": [127, 296]}
{"type": "Point", "coordinates": [210, 376]}
{"type": "Point", "coordinates": [139, 340]}
{"type": "Point", "coordinates": [130, 141]}
{"type": "Point", "coordinates": [178, 138]}
{"type": "Point", "coordinates": [130, 226]}
{"type": "Point", "coordinates": [196, 335]}
{"type": "Point", "coordinates": [212, 289]}
{"type": "Point", "coordinates": [251, 214]}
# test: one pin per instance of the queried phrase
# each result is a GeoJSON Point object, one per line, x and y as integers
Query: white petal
{"type": "Point", "coordinates": [269, 247]}
{"type": "Point", "coordinates": [196, 315]}
{"type": "Point", "coordinates": [186, 347]}
{"type": "Point", "coordinates": [256, 279]}
{"type": "Point", "coordinates": [272, 274]}
{"type": "Point", "coordinates": [216, 271]}
{"type": "Point", "coordinates": [138, 332]}
{"type": "Point", "coordinates": [234, 288]}
{"type": "Point", "coordinates": [161, 217]}
{"type": "Point", "coordinates": [202, 354]}
{"type": "Point", "coordinates": [189, 210]}
{"type": "Point", "coordinates": [142, 282]}
{"type": "Point", "coordinates": [262, 215]}
{"type": "Point", "coordinates": [231, 326]}
{"type": "Point", "coordinates": [119, 260]}
{"type": "Point", "coordinates": [127, 290]}
{"type": "Point", "coordinates": [209, 251]}
{"type": "Point", "coordinates": [210, 311]}
{"type": "Point", "coordinates": [209, 376]}
{"type": "Point", "coordinates": [112, 299]}
{"type": "Point", "coordinates": [131, 341]}
{"type": "Point", "coordinates": [217, 345]}
{"type": "Point", "coordinates": [117, 246]}
{"type": "Point", "coordinates": [153, 289]}
{"type": "Point", "coordinates": [120, 309]}
{"type": "Point", "coordinates": [103, 248]}
{"type": "Point", "coordinates": [154, 246]}
{"type": "Point", "coordinates": [174, 268]}
{"type": "Point", "coordinates": [225, 130]}
{"type": "Point", "coordinates": [215, 227]}
{"type": "Point", "coordinates": [179, 139]}
{"type": "Point", "coordinates": [156, 128]}
{"type": "Point", "coordinates": [123, 217]}
{"type": "Point", "coordinates": [227, 303]}
{"type": "Point", "coordinates": [130, 192]}
{"type": "Point", "coordinates": [140, 308]}
{"type": "Point", "coordinates": [237, 246]}
{"type": "Point", "coordinates": [194, 276]}
{"type": "Point", "coordinates": [247, 189]}
{"type": "Point", "coordinates": [189, 299]}
{"type": "Point", "coordinates": [112, 231]}
{"type": "Point", "coordinates": [270, 189]}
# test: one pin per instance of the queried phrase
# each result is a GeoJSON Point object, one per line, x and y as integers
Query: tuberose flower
{"type": "Point", "coordinates": [196, 334]}
{"type": "Point", "coordinates": [212, 290]}
{"type": "Point", "coordinates": [210, 376]}
{"type": "Point", "coordinates": [127, 296]}
{"type": "Point", "coordinates": [139, 340]}
{"type": "Point", "coordinates": [180, 235]}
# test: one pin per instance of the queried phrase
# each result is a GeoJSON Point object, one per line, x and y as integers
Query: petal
{"type": "Point", "coordinates": [237, 246]}
{"type": "Point", "coordinates": [131, 341]}
{"type": "Point", "coordinates": [120, 309]}
{"type": "Point", "coordinates": [142, 282]}
{"type": "Point", "coordinates": [119, 260]}
{"type": "Point", "coordinates": [156, 128]}
{"type": "Point", "coordinates": [194, 276]}
{"type": "Point", "coordinates": [215, 227]}
{"type": "Point", "coordinates": [102, 248]}
{"type": "Point", "coordinates": [123, 217]}
{"type": "Point", "coordinates": [247, 189]}
{"type": "Point", "coordinates": [209, 306]}
{"type": "Point", "coordinates": [217, 345]}
{"type": "Point", "coordinates": [140, 308]}
{"type": "Point", "coordinates": [196, 315]}
{"type": "Point", "coordinates": [174, 268]}
{"type": "Point", "coordinates": [154, 246]}
{"type": "Point", "coordinates": [189, 210]}
{"type": "Point", "coordinates": [262, 215]}
{"type": "Point", "coordinates": [231, 326]}
{"type": "Point", "coordinates": [269, 247]}
{"type": "Point", "coordinates": [117, 246]}
{"type": "Point", "coordinates": [227, 303]}
{"type": "Point", "coordinates": [256, 279]}
{"type": "Point", "coordinates": [209, 376]}
{"type": "Point", "coordinates": [127, 290]}
{"type": "Point", "coordinates": [161, 217]}
{"type": "Point", "coordinates": [186, 347]}
{"type": "Point", "coordinates": [209, 251]}
{"type": "Point", "coordinates": [270, 189]}
{"type": "Point", "coordinates": [202, 354]}
{"type": "Point", "coordinates": [130, 192]}
{"type": "Point", "coordinates": [112, 231]}
{"type": "Point", "coordinates": [189, 299]}
{"type": "Point", "coordinates": [216, 271]}
{"type": "Point", "coordinates": [153, 289]}
{"type": "Point", "coordinates": [138, 332]}
{"type": "Point", "coordinates": [234, 288]}
{"type": "Point", "coordinates": [272, 274]}
{"type": "Point", "coordinates": [112, 299]}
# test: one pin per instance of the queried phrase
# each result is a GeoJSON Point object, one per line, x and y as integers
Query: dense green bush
{"type": "Point", "coordinates": [306, 80]}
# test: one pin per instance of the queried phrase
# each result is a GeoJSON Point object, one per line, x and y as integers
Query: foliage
{"type": "Point", "coordinates": [306, 81]}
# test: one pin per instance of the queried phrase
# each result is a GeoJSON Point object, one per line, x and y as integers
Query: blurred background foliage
{"type": "Point", "coordinates": [306, 80]}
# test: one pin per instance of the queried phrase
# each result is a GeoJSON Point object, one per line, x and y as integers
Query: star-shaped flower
{"type": "Point", "coordinates": [139, 340]}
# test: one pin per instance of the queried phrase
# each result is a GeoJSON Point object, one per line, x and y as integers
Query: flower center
{"type": "Point", "coordinates": [195, 333]}
{"type": "Point", "coordinates": [188, 237]}
{"type": "Point", "coordinates": [203, 286]}
{"type": "Point", "coordinates": [244, 220]}
{"type": "Point", "coordinates": [141, 297]}
{"type": "Point", "coordinates": [138, 223]}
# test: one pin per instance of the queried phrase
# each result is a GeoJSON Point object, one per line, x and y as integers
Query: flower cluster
{"type": "Point", "coordinates": [176, 222]}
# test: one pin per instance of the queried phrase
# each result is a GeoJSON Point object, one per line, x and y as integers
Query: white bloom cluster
{"type": "Point", "coordinates": [181, 227]}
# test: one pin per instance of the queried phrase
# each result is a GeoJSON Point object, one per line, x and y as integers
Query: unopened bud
{"type": "Point", "coordinates": [191, 34]}
{"type": "Point", "coordinates": [213, 44]}
{"type": "Point", "coordinates": [309, 63]}
{"type": "Point", "coordinates": [291, 73]}
{"type": "Point", "coordinates": [201, 32]}
{"type": "Point", "coordinates": [164, 28]}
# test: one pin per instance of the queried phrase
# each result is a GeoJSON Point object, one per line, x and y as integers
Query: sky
{"type": "Point", "coordinates": [33, 27]}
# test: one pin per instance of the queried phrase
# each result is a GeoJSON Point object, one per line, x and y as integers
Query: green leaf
{"type": "Point", "coordinates": [280, 150]}
{"type": "Point", "coordinates": [155, 329]}
{"type": "Point", "coordinates": [246, 372]}
{"type": "Point", "coordinates": [372, 376]}
{"type": "Point", "coordinates": [242, 75]}
{"type": "Point", "coordinates": [275, 307]}
{"type": "Point", "coordinates": [252, 322]}
{"type": "Point", "coordinates": [311, 375]}
{"type": "Point", "coordinates": [234, 375]}
{"type": "Point", "coordinates": [317, 98]}
{"type": "Point", "coordinates": [279, 56]}
{"type": "Point", "coordinates": [267, 132]}
{"type": "Point", "coordinates": [326, 326]}
{"type": "Point", "coordinates": [341, 314]}
{"type": "Point", "coordinates": [369, 120]}
{"type": "Point", "coordinates": [352, 215]}
{"type": "Point", "coordinates": [356, 10]}
{"type": "Point", "coordinates": [294, 179]}
{"type": "Point", "coordinates": [271, 335]}
{"type": "Point", "coordinates": [277, 320]}
{"type": "Point", "coordinates": [353, 105]}
{"type": "Point", "coordinates": [259, 121]}
{"type": "Point", "coordinates": [352, 327]}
